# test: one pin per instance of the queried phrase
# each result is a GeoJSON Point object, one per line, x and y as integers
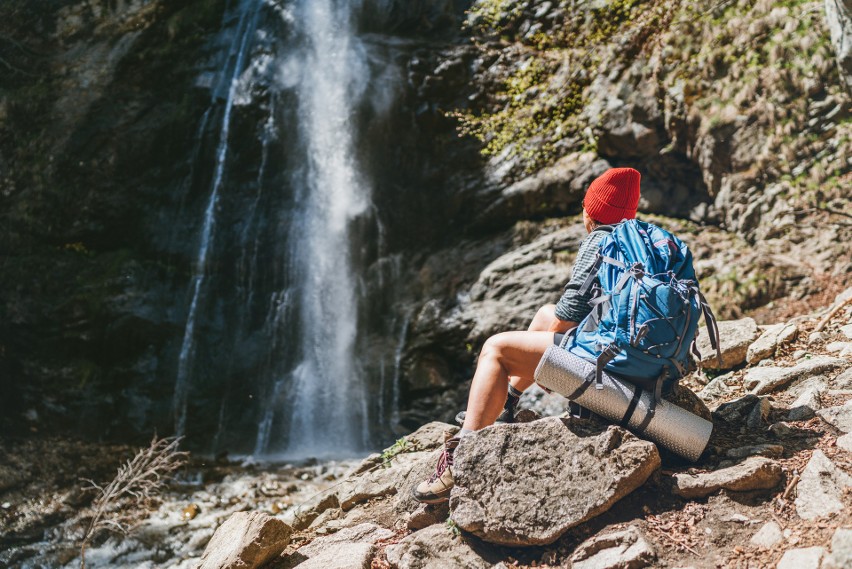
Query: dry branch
{"type": "Point", "coordinates": [140, 478]}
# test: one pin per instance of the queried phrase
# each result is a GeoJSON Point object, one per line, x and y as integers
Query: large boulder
{"type": "Point", "coordinates": [527, 484]}
{"type": "Point", "coordinates": [735, 336]}
{"type": "Point", "coordinates": [821, 488]}
{"type": "Point", "coordinates": [245, 541]}
{"type": "Point", "coordinates": [756, 473]}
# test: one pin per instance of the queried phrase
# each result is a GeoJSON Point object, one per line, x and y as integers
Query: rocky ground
{"type": "Point", "coordinates": [773, 488]}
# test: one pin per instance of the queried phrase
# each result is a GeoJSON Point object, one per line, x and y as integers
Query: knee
{"type": "Point", "coordinates": [493, 348]}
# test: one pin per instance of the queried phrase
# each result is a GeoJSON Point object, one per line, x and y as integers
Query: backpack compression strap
{"type": "Point", "coordinates": [712, 327]}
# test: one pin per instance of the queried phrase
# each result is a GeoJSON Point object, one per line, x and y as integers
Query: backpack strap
{"type": "Point", "coordinates": [607, 355]}
{"type": "Point", "coordinates": [712, 326]}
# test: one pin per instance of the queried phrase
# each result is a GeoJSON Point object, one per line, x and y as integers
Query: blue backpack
{"type": "Point", "coordinates": [645, 311]}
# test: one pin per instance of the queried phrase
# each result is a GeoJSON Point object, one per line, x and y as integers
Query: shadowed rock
{"type": "Point", "coordinates": [756, 473]}
{"type": "Point", "coordinates": [528, 484]}
{"type": "Point", "coordinates": [626, 548]}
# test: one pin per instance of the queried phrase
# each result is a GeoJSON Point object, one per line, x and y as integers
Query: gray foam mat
{"type": "Point", "coordinates": [670, 426]}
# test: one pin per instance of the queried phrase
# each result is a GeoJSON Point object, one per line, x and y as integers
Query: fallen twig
{"type": "Point", "coordinates": [790, 487]}
{"type": "Point", "coordinates": [677, 541]}
{"type": "Point", "coordinates": [831, 314]}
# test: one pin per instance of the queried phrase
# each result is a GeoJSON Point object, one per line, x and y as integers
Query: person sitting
{"type": "Point", "coordinates": [508, 360]}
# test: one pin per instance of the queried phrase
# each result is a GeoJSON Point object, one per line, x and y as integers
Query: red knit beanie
{"type": "Point", "coordinates": [613, 196]}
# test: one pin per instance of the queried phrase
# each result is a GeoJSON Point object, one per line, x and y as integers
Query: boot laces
{"type": "Point", "coordinates": [444, 461]}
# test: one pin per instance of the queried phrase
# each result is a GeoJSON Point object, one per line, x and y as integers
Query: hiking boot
{"type": "Point", "coordinates": [437, 487]}
{"type": "Point", "coordinates": [506, 416]}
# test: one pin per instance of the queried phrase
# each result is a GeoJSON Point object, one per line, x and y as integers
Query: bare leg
{"type": "Point", "coordinates": [510, 354]}
{"type": "Point", "coordinates": [545, 320]}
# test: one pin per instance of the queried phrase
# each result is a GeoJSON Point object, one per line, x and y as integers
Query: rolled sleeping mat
{"type": "Point", "coordinates": [670, 426]}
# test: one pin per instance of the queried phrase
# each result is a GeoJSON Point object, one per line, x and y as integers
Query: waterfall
{"type": "Point", "coordinates": [326, 393]}
{"type": "Point", "coordinates": [235, 63]}
{"type": "Point", "coordinates": [277, 334]}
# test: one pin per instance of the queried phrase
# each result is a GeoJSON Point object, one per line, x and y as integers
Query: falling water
{"type": "Point", "coordinates": [327, 396]}
{"type": "Point", "coordinates": [279, 315]}
{"type": "Point", "coordinates": [248, 11]}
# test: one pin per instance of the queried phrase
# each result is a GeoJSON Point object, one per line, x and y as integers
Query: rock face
{"type": "Point", "coordinates": [245, 541]}
{"type": "Point", "coordinates": [436, 547]}
{"type": "Point", "coordinates": [735, 337]}
{"type": "Point", "coordinates": [756, 473]}
{"type": "Point", "coordinates": [622, 549]}
{"type": "Point", "coordinates": [528, 484]}
{"type": "Point", "coordinates": [821, 488]}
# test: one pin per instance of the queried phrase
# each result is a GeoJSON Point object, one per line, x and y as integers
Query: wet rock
{"type": "Point", "coordinates": [839, 417]}
{"type": "Point", "coordinates": [841, 550]}
{"type": "Point", "coordinates": [362, 534]}
{"type": "Point", "coordinates": [528, 484]}
{"type": "Point", "coordinates": [246, 540]}
{"type": "Point", "coordinates": [771, 338]}
{"type": "Point", "coordinates": [756, 473]}
{"type": "Point", "coordinates": [821, 488]}
{"type": "Point", "coordinates": [626, 548]}
{"type": "Point", "coordinates": [767, 536]}
{"type": "Point", "coordinates": [437, 547]}
{"type": "Point", "coordinates": [735, 337]}
{"type": "Point", "coordinates": [800, 558]}
{"type": "Point", "coordinates": [767, 379]}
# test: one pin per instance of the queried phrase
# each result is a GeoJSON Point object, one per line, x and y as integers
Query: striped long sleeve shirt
{"type": "Point", "coordinates": [573, 306]}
